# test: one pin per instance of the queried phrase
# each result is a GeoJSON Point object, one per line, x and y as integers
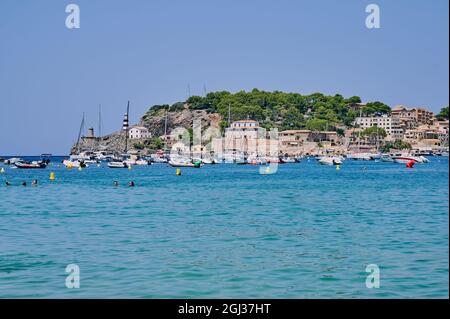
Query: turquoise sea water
{"type": "Point", "coordinates": [308, 231]}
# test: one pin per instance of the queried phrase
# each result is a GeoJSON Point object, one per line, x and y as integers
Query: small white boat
{"type": "Point", "coordinates": [30, 165]}
{"type": "Point", "coordinates": [13, 160]}
{"type": "Point", "coordinates": [207, 161]}
{"type": "Point", "coordinates": [103, 156]}
{"type": "Point", "coordinates": [130, 162]}
{"type": "Point", "coordinates": [116, 164]}
{"type": "Point", "coordinates": [159, 157]}
{"type": "Point", "coordinates": [330, 160]}
{"type": "Point", "coordinates": [386, 158]}
{"type": "Point", "coordinates": [254, 159]}
{"type": "Point", "coordinates": [364, 156]}
{"type": "Point", "coordinates": [180, 161]}
{"type": "Point", "coordinates": [180, 164]}
{"type": "Point", "coordinates": [405, 158]}
{"type": "Point", "coordinates": [91, 161]}
{"type": "Point", "coordinates": [142, 162]}
{"type": "Point", "coordinates": [84, 156]}
{"type": "Point", "coordinates": [232, 157]}
{"type": "Point", "coordinates": [159, 160]}
{"type": "Point", "coordinates": [75, 163]}
{"type": "Point", "coordinates": [290, 160]}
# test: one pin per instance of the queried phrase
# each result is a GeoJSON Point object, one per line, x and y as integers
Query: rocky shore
{"type": "Point", "coordinates": [154, 121]}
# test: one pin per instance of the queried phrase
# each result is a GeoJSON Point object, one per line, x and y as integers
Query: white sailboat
{"type": "Point", "coordinates": [77, 159]}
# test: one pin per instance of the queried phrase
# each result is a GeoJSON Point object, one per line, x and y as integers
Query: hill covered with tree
{"type": "Point", "coordinates": [277, 109]}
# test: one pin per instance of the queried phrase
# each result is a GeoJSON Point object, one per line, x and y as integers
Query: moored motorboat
{"type": "Point", "coordinates": [159, 157]}
{"type": "Point", "coordinates": [185, 164]}
{"type": "Point", "coordinates": [406, 158]}
{"type": "Point", "coordinates": [142, 162]}
{"type": "Point", "coordinates": [386, 158]}
{"type": "Point", "coordinates": [76, 163]}
{"type": "Point", "coordinates": [290, 160]}
{"type": "Point", "coordinates": [13, 160]}
{"type": "Point", "coordinates": [330, 160]}
{"type": "Point", "coordinates": [255, 159]}
{"type": "Point", "coordinates": [91, 161]}
{"type": "Point", "coordinates": [159, 160]}
{"type": "Point", "coordinates": [181, 161]}
{"type": "Point", "coordinates": [275, 160]}
{"type": "Point", "coordinates": [364, 156]}
{"type": "Point", "coordinates": [30, 165]}
{"type": "Point", "coordinates": [117, 164]}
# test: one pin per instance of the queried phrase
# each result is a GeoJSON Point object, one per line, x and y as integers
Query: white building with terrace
{"type": "Point", "coordinates": [139, 132]}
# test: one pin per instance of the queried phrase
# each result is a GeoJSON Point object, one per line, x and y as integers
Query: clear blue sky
{"type": "Point", "coordinates": [148, 51]}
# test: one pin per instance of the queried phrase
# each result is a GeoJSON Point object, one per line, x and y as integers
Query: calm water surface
{"type": "Point", "coordinates": [308, 231]}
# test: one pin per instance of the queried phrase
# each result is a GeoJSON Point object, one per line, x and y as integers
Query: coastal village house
{"type": "Point", "coordinates": [298, 142]}
{"type": "Point", "coordinates": [390, 124]}
{"type": "Point", "coordinates": [416, 126]}
{"type": "Point", "coordinates": [245, 137]}
{"type": "Point", "coordinates": [358, 142]}
{"type": "Point", "coordinates": [138, 132]}
{"type": "Point", "coordinates": [356, 107]}
{"type": "Point", "coordinates": [412, 117]}
{"type": "Point", "coordinates": [435, 134]}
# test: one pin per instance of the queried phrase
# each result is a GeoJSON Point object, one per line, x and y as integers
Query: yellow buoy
{"type": "Point", "coordinates": [129, 167]}
{"type": "Point", "coordinates": [80, 168]}
{"type": "Point", "coordinates": [338, 167]}
{"type": "Point", "coordinates": [52, 176]}
{"type": "Point", "coordinates": [2, 170]}
{"type": "Point", "coordinates": [178, 172]}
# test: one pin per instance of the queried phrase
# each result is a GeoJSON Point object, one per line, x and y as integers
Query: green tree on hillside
{"type": "Point", "coordinates": [316, 124]}
{"type": "Point", "coordinates": [397, 145]}
{"type": "Point", "coordinates": [278, 109]}
{"type": "Point", "coordinates": [292, 119]}
{"type": "Point", "coordinates": [376, 108]}
{"type": "Point", "coordinates": [374, 134]}
{"type": "Point", "coordinates": [443, 114]}
{"type": "Point", "coordinates": [353, 100]}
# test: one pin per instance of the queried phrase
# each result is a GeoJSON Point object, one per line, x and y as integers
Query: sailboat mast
{"type": "Point", "coordinates": [99, 120]}
{"type": "Point", "coordinates": [165, 133]}
{"type": "Point", "coordinates": [79, 134]}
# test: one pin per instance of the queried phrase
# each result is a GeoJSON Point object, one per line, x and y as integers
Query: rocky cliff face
{"type": "Point", "coordinates": [154, 121]}
{"type": "Point", "coordinates": [114, 143]}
